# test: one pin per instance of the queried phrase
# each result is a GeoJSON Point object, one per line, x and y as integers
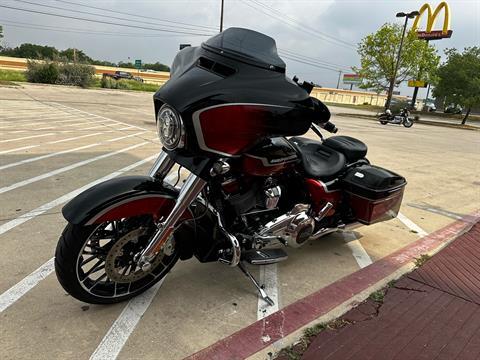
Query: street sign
{"type": "Point", "coordinates": [183, 46]}
{"type": "Point", "coordinates": [138, 64]}
{"type": "Point", "coordinates": [352, 79]}
{"type": "Point", "coordinates": [417, 83]}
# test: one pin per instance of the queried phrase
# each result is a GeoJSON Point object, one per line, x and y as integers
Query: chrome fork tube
{"type": "Point", "coordinates": [161, 167]}
{"type": "Point", "coordinates": [189, 191]}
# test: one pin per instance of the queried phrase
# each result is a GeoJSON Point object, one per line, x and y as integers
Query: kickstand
{"type": "Point", "coordinates": [260, 289]}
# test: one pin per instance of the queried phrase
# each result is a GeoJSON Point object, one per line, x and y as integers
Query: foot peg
{"type": "Point", "coordinates": [260, 289]}
{"type": "Point", "coordinates": [264, 256]}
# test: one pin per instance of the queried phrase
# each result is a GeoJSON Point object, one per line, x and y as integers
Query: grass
{"type": "Point", "coordinates": [422, 259]}
{"type": "Point", "coordinates": [7, 76]}
{"type": "Point", "coordinates": [295, 351]}
{"type": "Point", "coordinates": [109, 83]}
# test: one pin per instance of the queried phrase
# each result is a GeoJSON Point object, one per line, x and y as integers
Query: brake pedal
{"type": "Point", "coordinates": [264, 256]}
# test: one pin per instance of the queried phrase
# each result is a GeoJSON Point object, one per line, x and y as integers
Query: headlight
{"type": "Point", "coordinates": [170, 128]}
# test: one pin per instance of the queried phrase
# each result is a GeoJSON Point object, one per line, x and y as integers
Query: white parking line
{"type": "Point", "coordinates": [46, 156]}
{"type": "Point", "coordinates": [18, 149]}
{"type": "Point", "coordinates": [24, 286]}
{"type": "Point", "coordinates": [10, 296]}
{"type": "Point", "coordinates": [119, 332]}
{"type": "Point", "coordinates": [269, 279]}
{"type": "Point", "coordinates": [26, 137]}
{"type": "Point", "coordinates": [73, 138]}
{"type": "Point", "coordinates": [66, 168]}
{"type": "Point", "coordinates": [359, 253]}
{"type": "Point", "coordinates": [95, 115]}
{"type": "Point", "coordinates": [411, 225]}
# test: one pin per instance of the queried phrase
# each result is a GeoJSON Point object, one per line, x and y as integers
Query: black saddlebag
{"type": "Point", "coordinates": [373, 193]}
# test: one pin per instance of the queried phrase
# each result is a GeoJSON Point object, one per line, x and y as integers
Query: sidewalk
{"type": "Point", "coordinates": [431, 313]}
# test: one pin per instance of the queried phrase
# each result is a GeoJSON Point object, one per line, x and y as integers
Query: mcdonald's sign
{"type": "Point", "coordinates": [429, 33]}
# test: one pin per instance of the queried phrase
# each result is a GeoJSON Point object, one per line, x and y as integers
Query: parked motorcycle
{"type": "Point", "coordinates": [224, 115]}
{"type": "Point", "coordinates": [403, 118]}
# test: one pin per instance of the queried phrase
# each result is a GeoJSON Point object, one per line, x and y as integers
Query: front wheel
{"type": "Point", "coordinates": [95, 264]}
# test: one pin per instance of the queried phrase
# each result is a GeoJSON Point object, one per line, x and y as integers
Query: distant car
{"type": "Point", "coordinates": [118, 75]}
{"type": "Point", "coordinates": [414, 107]}
{"type": "Point", "coordinates": [453, 109]}
{"type": "Point", "coordinates": [430, 106]}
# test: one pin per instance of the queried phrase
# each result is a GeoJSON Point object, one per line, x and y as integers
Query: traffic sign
{"type": "Point", "coordinates": [138, 64]}
{"type": "Point", "coordinates": [417, 83]}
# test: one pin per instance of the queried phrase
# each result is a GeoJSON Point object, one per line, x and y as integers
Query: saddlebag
{"type": "Point", "coordinates": [373, 193]}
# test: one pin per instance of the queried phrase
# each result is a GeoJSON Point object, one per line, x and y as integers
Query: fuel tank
{"type": "Point", "coordinates": [274, 156]}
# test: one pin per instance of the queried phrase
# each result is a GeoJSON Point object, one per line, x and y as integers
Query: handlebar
{"type": "Point", "coordinates": [330, 127]}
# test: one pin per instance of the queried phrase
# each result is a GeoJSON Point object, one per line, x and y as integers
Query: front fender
{"type": "Point", "coordinates": [120, 198]}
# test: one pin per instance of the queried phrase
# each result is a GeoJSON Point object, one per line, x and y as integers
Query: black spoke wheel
{"type": "Point", "coordinates": [96, 263]}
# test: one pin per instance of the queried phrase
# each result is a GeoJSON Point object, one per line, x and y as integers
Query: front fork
{"type": "Point", "coordinates": [189, 192]}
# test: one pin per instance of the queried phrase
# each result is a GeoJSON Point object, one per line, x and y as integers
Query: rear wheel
{"type": "Point", "coordinates": [408, 123]}
{"type": "Point", "coordinates": [96, 263]}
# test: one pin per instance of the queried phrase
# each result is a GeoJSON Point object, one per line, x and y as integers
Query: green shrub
{"type": "Point", "coordinates": [42, 72]}
{"type": "Point", "coordinates": [76, 74]}
{"type": "Point", "coordinates": [110, 83]}
{"type": "Point", "coordinates": [50, 72]}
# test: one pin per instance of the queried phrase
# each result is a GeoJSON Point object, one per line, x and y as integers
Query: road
{"type": "Point", "coordinates": [57, 140]}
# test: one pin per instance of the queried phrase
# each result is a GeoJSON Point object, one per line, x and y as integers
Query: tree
{"type": "Point", "coordinates": [76, 55]}
{"type": "Point", "coordinates": [378, 55]}
{"type": "Point", "coordinates": [32, 51]}
{"type": "Point", "coordinates": [459, 79]}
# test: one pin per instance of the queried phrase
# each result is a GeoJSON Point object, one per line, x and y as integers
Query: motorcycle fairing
{"type": "Point", "coordinates": [205, 78]}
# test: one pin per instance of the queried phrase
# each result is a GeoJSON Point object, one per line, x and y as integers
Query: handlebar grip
{"type": "Point", "coordinates": [330, 127]}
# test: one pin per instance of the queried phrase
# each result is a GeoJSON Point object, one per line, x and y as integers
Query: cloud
{"type": "Point", "coordinates": [348, 20]}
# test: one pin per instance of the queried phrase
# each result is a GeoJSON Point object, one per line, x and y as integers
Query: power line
{"type": "Point", "coordinates": [283, 15]}
{"type": "Point", "coordinates": [100, 15]}
{"type": "Point", "coordinates": [309, 63]}
{"type": "Point", "coordinates": [81, 31]}
{"type": "Point", "coordinates": [103, 22]}
{"type": "Point", "coordinates": [312, 59]}
{"type": "Point", "coordinates": [297, 26]}
{"type": "Point", "coordinates": [135, 15]}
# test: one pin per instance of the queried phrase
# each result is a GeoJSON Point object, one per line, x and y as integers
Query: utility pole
{"type": "Point", "coordinates": [221, 18]}
{"type": "Point", "coordinates": [410, 15]}
{"type": "Point", "coordinates": [415, 91]}
{"type": "Point", "coordinates": [339, 76]}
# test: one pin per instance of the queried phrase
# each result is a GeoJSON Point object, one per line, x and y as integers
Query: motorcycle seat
{"type": "Point", "coordinates": [319, 161]}
{"type": "Point", "coordinates": [352, 148]}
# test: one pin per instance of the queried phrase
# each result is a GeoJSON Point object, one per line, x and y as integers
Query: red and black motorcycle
{"type": "Point", "coordinates": [224, 115]}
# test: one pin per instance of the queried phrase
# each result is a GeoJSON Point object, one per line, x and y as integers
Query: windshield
{"type": "Point", "coordinates": [247, 46]}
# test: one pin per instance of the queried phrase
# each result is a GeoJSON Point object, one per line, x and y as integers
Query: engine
{"type": "Point", "coordinates": [265, 211]}
{"type": "Point", "coordinates": [293, 228]}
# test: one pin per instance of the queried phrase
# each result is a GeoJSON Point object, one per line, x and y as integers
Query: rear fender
{"type": "Point", "coordinates": [120, 198]}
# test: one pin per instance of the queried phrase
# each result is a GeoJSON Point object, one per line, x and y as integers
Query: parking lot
{"type": "Point", "coordinates": [57, 141]}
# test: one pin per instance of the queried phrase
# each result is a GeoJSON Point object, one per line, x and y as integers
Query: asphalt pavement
{"type": "Point", "coordinates": [56, 141]}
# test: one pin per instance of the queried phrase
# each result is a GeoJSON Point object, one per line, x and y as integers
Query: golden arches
{"type": "Point", "coordinates": [431, 17]}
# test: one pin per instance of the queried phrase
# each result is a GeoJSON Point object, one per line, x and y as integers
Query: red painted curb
{"type": "Point", "coordinates": [265, 332]}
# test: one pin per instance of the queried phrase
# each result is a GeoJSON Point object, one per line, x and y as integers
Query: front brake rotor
{"type": "Point", "coordinates": [120, 266]}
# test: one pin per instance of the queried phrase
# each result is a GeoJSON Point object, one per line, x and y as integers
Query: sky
{"type": "Point", "coordinates": [325, 30]}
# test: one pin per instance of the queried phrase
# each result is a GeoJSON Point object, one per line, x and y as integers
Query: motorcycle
{"type": "Point", "coordinates": [224, 115]}
{"type": "Point", "coordinates": [401, 119]}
